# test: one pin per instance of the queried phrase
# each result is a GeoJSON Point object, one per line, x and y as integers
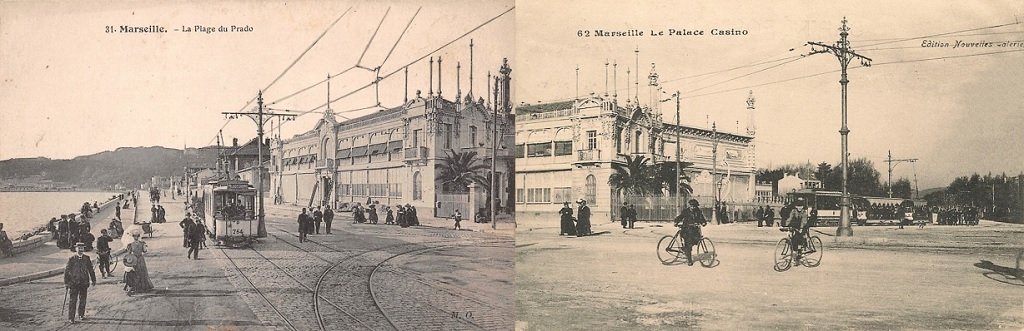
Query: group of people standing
{"type": "Point", "coordinates": [578, 226]}
{"type": "Point", "coordinates": [628, 215]}
{"type": "Point", "coordinates": [71, 229]}
{"type": "Point", "coordinates": [765, 216]}
{"type": "Point", "coordinates": [310, 224]}
{"type": "Point", "coordinates": [158, 214]}
{"type": "Point", "coordinates": [404, 216]}
{"type": "Point", "coordinates": [193, 235]}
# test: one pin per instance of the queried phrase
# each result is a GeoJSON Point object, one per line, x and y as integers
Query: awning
{"type": "Point", "coordinates": [359, 151]}
{"type": "Point", "coordinates": [395, 145]}
{"type": "Point", "coordinates": [345, 153]}
{"type": "Point", "coordinates": [377, 148]}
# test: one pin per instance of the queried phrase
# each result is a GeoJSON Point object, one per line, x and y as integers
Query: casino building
{"type": "Point", "coordinates": [391, 156]}
{"type": "Point", "coordinates": [564, 152]}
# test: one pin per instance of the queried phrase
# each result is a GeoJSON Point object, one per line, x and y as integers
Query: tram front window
{"type": "Point", "coordinates": [236, 206]}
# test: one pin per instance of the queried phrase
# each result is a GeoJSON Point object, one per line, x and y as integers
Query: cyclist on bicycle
{"type": "Point", "coordinates": [687, 222]}
{"type": "Point", "coordinates": [799, 221]}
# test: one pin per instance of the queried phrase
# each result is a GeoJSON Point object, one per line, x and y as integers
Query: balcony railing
{"type": "Point", "coordinates": [589, 155]}
{"type": "Point", "coordinates": [416, 153]}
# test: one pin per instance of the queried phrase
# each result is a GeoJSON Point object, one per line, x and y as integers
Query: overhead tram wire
{"type": "Point", "coordinates": [874, 64]}
{"type": "Point", "coordinates": [318, 83]}
{"type": "Point", "coordinates": [748, 74]}
{"type": "Point", "coordinates": [359, 62]}
{"type": "Point", "coordinates": [411, 62]}
{"type": "Point", "coordinates": [395, 45]}
{"type": "Point", "coordinates": [952, 35]}
{"type": "Point", "coordinates": [939, 34]}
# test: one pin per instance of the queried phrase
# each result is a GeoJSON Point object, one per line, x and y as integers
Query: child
{"type": "Point", "coordinates": [130, 276]}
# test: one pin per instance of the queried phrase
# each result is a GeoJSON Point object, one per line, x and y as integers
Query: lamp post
{"type": "Point", "coordinates": [261, 117]}
{"type": "Point", "coordinates": [841, 49]}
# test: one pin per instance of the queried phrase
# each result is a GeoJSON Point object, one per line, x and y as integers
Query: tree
{"type": "Point", "coordinates": [635, 177]}
{"type": "Point", "coordinates": [457, 169]}
{"type": "Point", "coordinates": [862, 178]}
{"type": "Point", "coordinates": [824, 170]}
{"type": "Point", "coordinates": [901, 189]}
{"type": "Point", "coordinates": [667, 177]}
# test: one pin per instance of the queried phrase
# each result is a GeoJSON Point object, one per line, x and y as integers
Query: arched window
{"type": "Point", "coordinates": [636, 143]}
{"type": "Point", "coordinates": [417, 186]}
{"type": "Point", "coordinates": [590, 193]}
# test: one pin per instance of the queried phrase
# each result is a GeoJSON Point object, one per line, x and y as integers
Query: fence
{"type": "Point", "coordinates": [666, 208]}
{"type": "Point", "coordinates": [447, 203]}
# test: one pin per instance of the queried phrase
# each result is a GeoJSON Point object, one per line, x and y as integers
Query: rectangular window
{"type": "Point", "coordinates": [538, 195]}
{"type": "Point", "coordinates": [563, 148]}
{"type": "Point", "coordinates": [538, 149]}
{"type": "Point", "coordinates": [472, 136]}
{"type": "Point", "coordinates": [520, 151]}
{"type": "Point", "coordinates": [561, 194]}
{"type": "Point", "coordinates": [591, 139]}
{"type": "Point", "coordinates": [520, 196]}
{"type": "Point", "coordinates": [446, 135]}
{"type": "Point", "coordinates": [416, 137]}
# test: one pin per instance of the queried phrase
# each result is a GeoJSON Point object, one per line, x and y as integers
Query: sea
{"type": "Point", "coordinates": [21, 212]}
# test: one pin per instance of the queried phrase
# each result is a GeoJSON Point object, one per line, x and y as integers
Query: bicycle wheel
{"type": "Point", "coordinates": [813, 252]}
{"type": "Point", "coordinates": [667, 250]}
{"type": "Point", "coordinates": [782, 255]}
{"type": "Point", "coordinates": [706, 253]}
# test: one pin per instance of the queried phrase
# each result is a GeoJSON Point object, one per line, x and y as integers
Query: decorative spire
{"type": "Point", "coordinates": [458, 81]}
{"type": "Point", "coordinates": [470, 94]}
{"type": "Point", "coordinates": [439, 76]}
{"type": "Point", "coordinates": [751, 125]}
{"type": "Point", "coordinates": [431, 77]}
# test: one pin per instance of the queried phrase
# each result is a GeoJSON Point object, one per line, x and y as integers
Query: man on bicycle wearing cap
{"type": "Point", "coordinates": [800, 221]}
{"type": "Point", "coordinates": [687, 222]}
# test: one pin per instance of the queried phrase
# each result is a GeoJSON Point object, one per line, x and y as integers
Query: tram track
{"type": "Point", "coordinates": [321, 288]}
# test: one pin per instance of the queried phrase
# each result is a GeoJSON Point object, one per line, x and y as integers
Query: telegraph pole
{"type": "Point", "coordinates": [261, 117]}
{"type": "Point", "coordinates": [892, 165]}
{"type": "Point", "coordinates": [714, 174]}
{"type": "Point", "coordinates": [841, 49]}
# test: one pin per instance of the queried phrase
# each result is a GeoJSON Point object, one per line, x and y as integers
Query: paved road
{"type": "Point", "coordinates": [614, 281]}
{"type": "Point", "coordinates": [361, 277]}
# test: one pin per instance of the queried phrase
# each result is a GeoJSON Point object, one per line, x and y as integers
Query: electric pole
{"type": "Point", "coordinates": [261, 117]}
{"type": "Point", "coordinates": [841, 49]}
{"type": "Point", "coordinates": [892, 165]}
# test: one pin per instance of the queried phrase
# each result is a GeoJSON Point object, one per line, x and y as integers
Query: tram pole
{"type": "Point", "coordinates": [841, 49]}
{"type": "Point", "coordinates": [260, 116]}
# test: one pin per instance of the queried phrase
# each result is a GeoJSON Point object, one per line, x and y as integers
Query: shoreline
{"type": "Point", "coordinates": [22, 243]}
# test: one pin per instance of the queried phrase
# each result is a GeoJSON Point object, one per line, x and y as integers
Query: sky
{"type": "Point", "coordinates": [957, 114]}
{"type": "Point", "coordinates": [69, 88]}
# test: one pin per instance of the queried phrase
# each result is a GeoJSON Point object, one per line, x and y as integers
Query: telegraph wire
{"type": "Point", "coordinates": [940, 34]}
{"type": "Point", "coordinates": [748, 74]}
{"type": "Point", "coordinates": [407, 25]}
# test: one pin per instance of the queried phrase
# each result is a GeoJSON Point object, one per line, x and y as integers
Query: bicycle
{"type": "Point", "coordinates": [671, 249]}
{"type": "Point", "coordinates": [808, 255]}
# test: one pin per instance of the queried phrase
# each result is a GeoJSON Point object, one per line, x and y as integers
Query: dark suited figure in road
{"type": "Point", "coordinates": [689, 222]}
{"type": "Point", "coordinates": [103, 252]}
{"type": "Point", "coordinates": [568, 227]}
{"type": "Point", "coordinates": [196, 235]}
{"type": "Point", "coordinates": [632, 215]}
{"type": "Point", "coordinates": [303, 220]}
{"type": "Point", "coordinates": [186, 224]}
{"type": "Point", "coordinates": [328, 218]}
{"type": "Point", "coordinates": [318, 217]}
{"type": "Point", "coordinates": [583, 218]}
{"type": "Point", "coordinates": [78, 274]}
{"type": "Point", "coordinates": [624, 215]}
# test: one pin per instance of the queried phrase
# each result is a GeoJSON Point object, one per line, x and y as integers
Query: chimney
{"type": "Point", "coordinates": [234, 142]}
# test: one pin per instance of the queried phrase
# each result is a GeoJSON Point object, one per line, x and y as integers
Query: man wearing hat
{"type": "Point", "coordinates": [688, 221]}
{"type": "Point", "coordinates": [583, 218]}
{"type": "Point", "coordinates": [799, 219]}
{"type": "Point", "coordinates": [78, 274]}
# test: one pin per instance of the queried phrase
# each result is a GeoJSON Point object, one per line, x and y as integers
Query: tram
{"type": "Point", "coordinates": [875, 210]}
{"type": "Point", "coordinates": [228, 210]}
{"type": "Point", "coordinates": [824, 205]}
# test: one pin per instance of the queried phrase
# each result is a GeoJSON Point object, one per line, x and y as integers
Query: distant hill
{"type": "Point", "coordinates": [926, 192]}
{"type": "Point", "coordinates": [129, 166]}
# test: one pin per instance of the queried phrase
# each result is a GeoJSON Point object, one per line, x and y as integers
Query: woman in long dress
{"type": "Point", "coordinates": [565, 216]}
{"type": "Point", "coordinates": [138, 249]}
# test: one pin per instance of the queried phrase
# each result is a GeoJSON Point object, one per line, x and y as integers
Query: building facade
{"type": "Point", "coordinates": [565, 152]}
{"type": "Point", "coordinates": [391, 156]}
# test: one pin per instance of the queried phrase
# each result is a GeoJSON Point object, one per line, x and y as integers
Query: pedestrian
{"type": "Point", "coordinates": [624, 214]}
{"type": "Point", "coordinates": [137, 248]}
{"type": "Point", "coordinates": [201, 227]}
{"type": "Point", "coordinates": [632, 215]}
{"type": "Point", "coordinates": [769, 215]}
{"type": "Point", "coordinates": [759, 215]}
{"type": "Point", "coordinates": [6, 244]}
{"type": "Point", "coordinates": [413, 216]}
{"type": "Point", "coordinates": [185, 225]}
{"type": "Point", "coordinates": [583, 218]}
{"type": "Point", "coordinates": [162, 212]}
{"type": "Point", "coordinates": [318, 217]}
{"type": "Point", "coordinates": [373, 213]}
{"type": "Point", "coordinates": [390, 218]}
{"type": "Point", "coordinates": [73, 232]}
{"type": "Point", "coordinates": [196, 236]}
{"type": "Point", "coordinates": [103, 252]}
{"type": "Point", "coordinates": [458, 219]}
{"type": "Point", "coordinates": [86, 238]}
{"type": "Point", "coordinates": [328, 218]}
{"type": "Point", "coordinates": [63, 240]}
{"type": "Point", "coordinates": [303, 218]}
{"type": "Point", "coordinates": [52, 227]}
{"type": "Point", "coordinates": [116, 229]}
{"type": "Point", "coordinates": [78, 274]}
{"type": "Point", "coordinates": [565, 215]}
{"type": "Point", "coordinates": [117, 210]}
{"type": "Point", "coordinates": [401, 216]}
{"type": "Point", "coordinates": [154, 214]}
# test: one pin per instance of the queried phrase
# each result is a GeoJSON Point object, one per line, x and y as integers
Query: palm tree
{"type": "Point", "coordinates": [635, 177]}
{"type": "Point", "coordinates": [456, 170]}
{"type": "Point", "coordinates": [667, 175]}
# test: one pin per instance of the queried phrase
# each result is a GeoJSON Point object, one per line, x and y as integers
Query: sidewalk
{"type": "Point", "coordinates": [188, 294]}
{"type": "Point", "coordinates": [506, 224]}
{"type": "Point", "coordinates": [48, 260]}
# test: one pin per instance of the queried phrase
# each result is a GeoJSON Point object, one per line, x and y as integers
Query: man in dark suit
{"type": "Point", "coordinates": [328, 218]}
{"type": "Point", "coordinates": [186, 229]}
{"type": "Point", "coordinates": [304, 225]}
{"type": "Point", "coordinates": [582, 218]}
{"type": "Point", "coordinates": [624, 215]}
{"type": "Point", "coordinates": [77, 276]}
{"type": "Point", "coordinates": [318, 218]}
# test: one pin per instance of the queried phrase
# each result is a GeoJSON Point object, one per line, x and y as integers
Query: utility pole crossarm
{"type": "Point", "coordinates": [866, 61]}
